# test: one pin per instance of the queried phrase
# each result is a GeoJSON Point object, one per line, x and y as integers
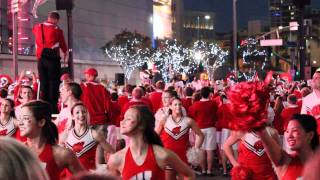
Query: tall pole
{"type": "Point", "coordinates": [235, 59]}
{"type": "Point", "coordinates": [302, 44]}
{"type": "Point", "coordinates": [70, 42]}
{"type": "Point", "coordinates": [198, 27]}
{"type": "Point", "coordinates": [15, 44]}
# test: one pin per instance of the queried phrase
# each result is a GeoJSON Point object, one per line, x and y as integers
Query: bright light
{"type": "Point", "coordinates": [162, 21]}
{"type": "Point", "coordinates": [280, 27]}
{"type": "Point", "coordinates": [207, 17]}
{"type": "Point", "coordinates": [198, 56]}
{"type": "Point", "coordinates": [314, 62]}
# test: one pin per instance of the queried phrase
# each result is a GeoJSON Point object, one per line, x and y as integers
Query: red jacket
{"type": "Point", "coordinates": [52, 35]}
{"type": "Point", "coordinates": [186, 103]}
{"type": "Point", "coordinates": [156, 100]}
{"type": "Point", "coordinates": [97, 100]}
{"type": "Point", "coordinates": [204, 113]}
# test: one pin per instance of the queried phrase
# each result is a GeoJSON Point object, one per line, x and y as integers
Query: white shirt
{"type": "Point", "coordinates": [309, 102]}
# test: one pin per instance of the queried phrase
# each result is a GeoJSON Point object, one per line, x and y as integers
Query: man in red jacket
{"type": "Point", "coordinates": [49, 35]}
{"type": "Point", "coordinates": [204, 113]}
{"type": "Point", "coordinates": [155, 97]}
{"type": "Point", "coordinates": [96, 98]}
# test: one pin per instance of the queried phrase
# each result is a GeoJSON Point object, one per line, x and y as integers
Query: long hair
{"type": "Point", "coordinates": [309, 124]}
{"type": "Point", "coordinates": [41, 110]}
{"type": "Point", "coordinates": [147, 122]}
{"type": "Point", "coordinates": [17, 162]}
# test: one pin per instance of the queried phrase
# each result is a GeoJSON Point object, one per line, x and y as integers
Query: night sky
{"type": "Point", "coordinates": [247, 10]}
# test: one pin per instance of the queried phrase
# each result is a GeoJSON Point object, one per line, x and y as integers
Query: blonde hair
{"type": "Point", "coordinates": [17, 162]}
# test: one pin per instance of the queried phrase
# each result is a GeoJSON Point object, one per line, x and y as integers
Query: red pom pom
{"type": "Point", "coordinates": [248, 106]}
{"type": "Point", "coordinates": [241, 173]}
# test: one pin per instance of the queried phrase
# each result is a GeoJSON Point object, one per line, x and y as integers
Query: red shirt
{"type": "Point", "coordinates": [122, 100]}
{"type": "Point", "coordinates": [156, 100]}
{"type": "Point", "coordinates": [222, 113]}
{"type": "Point", "coordinates": [52, 35]}
{"type": "Point", "coordinates": [97, 100]}
{"type": "Point", "coordinates": [204, 113]}
{"type": "Point", "coordinates": [148, 170]}
{"type": "Point", "coordinates": [186, 103]}
{"type": "Point", "coordinates": [115, 112]}
{"type": "Point", "coordinates": [287, 114]}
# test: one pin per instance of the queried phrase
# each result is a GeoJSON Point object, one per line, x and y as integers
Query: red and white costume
{"type": "Point", "coordinates": [97, 100]}
{"type": "Point", "coordinates": [252, 155]}
{"type": "Point", "coordinates": [149, 170]}
{"type": "Point", "coordinates": [84, 147]}
{"type": "Point", "coordinates": [10, 130]}
{"type": "Point", "coordinates": [175, 136]}
{"type": "Point", "coordinates": [48, 163]}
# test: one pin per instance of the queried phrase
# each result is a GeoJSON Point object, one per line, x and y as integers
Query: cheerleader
{"type": "Point", "coordinates": [302, 140]}
{"type": "Point", "coordinates": [144, 158]}
{"type": "Point", "coordinates": [42, 135]}
{"type": "Point", "coordinates": [175, 134]}
{"type": "Point", "coordinates": [8, 122]}
{"type": "Point", "coordinates": [83, 140]}
{"type": "Point", "coordinates": [163, 112]}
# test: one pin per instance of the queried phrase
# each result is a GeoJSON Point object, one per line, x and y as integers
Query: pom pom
{"type": "Point", "coordinates": [194, 156]}
{"type": "Point", "coordinates": [248, 106]}
{"type": "Point", "coordinates": [241, 173]}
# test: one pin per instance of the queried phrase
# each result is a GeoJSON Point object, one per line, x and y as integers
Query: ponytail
{"type": "Point", "coordinates": [42, 110]}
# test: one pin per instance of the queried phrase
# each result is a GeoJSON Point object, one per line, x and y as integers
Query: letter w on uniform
{"type": "Point", "coordinates": [145, 175]}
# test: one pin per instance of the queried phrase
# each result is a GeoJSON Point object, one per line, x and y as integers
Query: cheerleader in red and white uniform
{"type": "Point", "coordinates": [8, 122]}
{"type": "Point", "coordinates": [251, 154]}
{"type": "Point", "coordinates": [83, 140]}
{"type": "Point", "coordinates": [163, 112]}
{"type": "Point", "coordinates": [175, 133]}
{"type": "Point", "coordinates": [144, 158]}
{"type": "Point", "coordinates": [42, 136]}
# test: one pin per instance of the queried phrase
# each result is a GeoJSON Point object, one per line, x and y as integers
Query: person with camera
{"type": "Point", "coordinates": [49, 39]}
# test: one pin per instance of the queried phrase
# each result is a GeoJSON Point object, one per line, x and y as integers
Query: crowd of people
{"type": "Point", "coordinates": [264, 130]}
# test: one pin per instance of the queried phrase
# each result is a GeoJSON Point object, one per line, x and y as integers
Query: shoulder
{"type": "Point", "coordinates": [117, 160]}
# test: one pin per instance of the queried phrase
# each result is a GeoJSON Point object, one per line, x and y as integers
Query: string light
{"type": "Point", "coordinates": [210, 55]}
{"type": "Point", "coordinates": [251, 53]}
{"type": "Point", "coordinates": [171, 58]}
{"type": "Point", "coordinates": [128, 50]}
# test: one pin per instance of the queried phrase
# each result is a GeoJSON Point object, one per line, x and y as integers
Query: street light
{"type": "Point", "coordinates": [235, 60]}
{"type": "Point", "coordinates": [207, 17]}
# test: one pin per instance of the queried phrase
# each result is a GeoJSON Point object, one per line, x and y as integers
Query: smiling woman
{"type": "Point", "coordinates": [42, 135]}
{"type": "Point", "coordinates": [144, 157]}
{"type": "Point", "coordinates": [302, 139]}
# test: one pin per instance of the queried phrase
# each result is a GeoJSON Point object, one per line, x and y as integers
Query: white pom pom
{"type": "Point", "coordinates": [194, 156]}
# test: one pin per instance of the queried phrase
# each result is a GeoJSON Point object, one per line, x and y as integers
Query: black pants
{"type": "Point", "coordinates": [49, 75]}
